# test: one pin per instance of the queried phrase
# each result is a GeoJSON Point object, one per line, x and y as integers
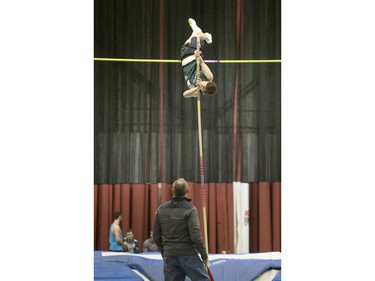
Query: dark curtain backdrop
{"type": "Point", "coordinates": [146, 132]}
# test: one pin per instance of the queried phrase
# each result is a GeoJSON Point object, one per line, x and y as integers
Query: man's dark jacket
{"type": "Point", "coordinates": [176, 229]}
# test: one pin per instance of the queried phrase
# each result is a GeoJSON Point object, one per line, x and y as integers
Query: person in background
{"type": "Point", "coordinates": [132, 245]}
{"type": "Point", "coordinates": [115, 234]}
{"type": "Point", "coordinates": [149, 244]}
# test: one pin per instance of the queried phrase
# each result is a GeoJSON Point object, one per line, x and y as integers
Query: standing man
{"type": "Point", "coordinates": [115, 234]}
{"type": "Point", "coordinates": [189, 56]}
{"type": "Point", "coordinates": [177, 234]}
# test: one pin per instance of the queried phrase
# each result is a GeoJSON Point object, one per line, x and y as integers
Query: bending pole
{"type": "Point", "coordinates": [201, 152]}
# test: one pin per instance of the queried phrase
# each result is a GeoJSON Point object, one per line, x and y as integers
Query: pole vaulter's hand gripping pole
{"type": "Point", "coordinates": [201, 157]}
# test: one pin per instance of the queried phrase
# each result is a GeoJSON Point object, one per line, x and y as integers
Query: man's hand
{"type": "Point", "coordinates": [205, 262]}
{"type": "Point", "coordinates": [199, 81]}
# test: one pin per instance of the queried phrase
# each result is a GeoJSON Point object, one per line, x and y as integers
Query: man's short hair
{"type": "Point", "coordinates": [116, 215]}
{"type": "Point", "coordinates": [180, 187]}
{"type": "Point", "coordinates": [211, 88]}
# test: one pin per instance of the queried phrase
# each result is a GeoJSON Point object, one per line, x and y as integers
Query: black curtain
{"type": "Point", "coordinates": [146, 132]}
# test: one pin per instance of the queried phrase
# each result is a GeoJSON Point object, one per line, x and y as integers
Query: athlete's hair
{"type": "Point", "coordinates": [211, 88]}
{"type": "Point", "coordinates": [116, 215]}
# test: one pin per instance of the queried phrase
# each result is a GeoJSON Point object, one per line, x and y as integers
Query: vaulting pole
{"type": "Point", "coordinates": [201, 164]}
{"type": "Point", "coordinates": [201, 152]}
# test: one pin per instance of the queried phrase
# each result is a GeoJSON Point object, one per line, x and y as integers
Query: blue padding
{"type": "Point", "coordinates": [222, 269]}
{"type": "Point", "coordinates": [152, 269]}
{"type": "Point", "coordinates": [244, 270]}
{"type": "Point", "coordinates": [107, 270]}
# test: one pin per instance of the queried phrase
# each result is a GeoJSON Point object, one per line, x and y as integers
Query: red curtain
{"type": "Point", "coordinates": [219, 211]}
{"type": "Point", "coordinates": [138, 203]}
{"type": "Point", "coordinates": [265, 217]}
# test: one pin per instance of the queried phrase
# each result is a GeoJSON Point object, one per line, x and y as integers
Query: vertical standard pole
{"type": "Point", "coordinates": [201, 153]}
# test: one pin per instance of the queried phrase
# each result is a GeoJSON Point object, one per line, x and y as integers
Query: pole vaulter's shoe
{"type": "Point", "coordinates": [209, 39]}
{"type": "Point", "coordinates": [196, 29]}
{"type": "Point", "coordinates": [194, 25]}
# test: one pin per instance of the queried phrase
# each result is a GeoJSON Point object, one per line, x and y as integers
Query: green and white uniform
{"type": "Point", "coordinates": [190, 68]}
{"type": "Point", "coordinates": [190, 71]}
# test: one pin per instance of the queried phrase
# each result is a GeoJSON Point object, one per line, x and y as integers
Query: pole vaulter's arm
{"type": "Point", "coordinates": [206, 70]}
{"type": "Point", "coordinates": [192, 92]}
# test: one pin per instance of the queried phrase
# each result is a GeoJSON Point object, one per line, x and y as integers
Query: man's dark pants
{"type": "Point", "coordinates": [176, 268]}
